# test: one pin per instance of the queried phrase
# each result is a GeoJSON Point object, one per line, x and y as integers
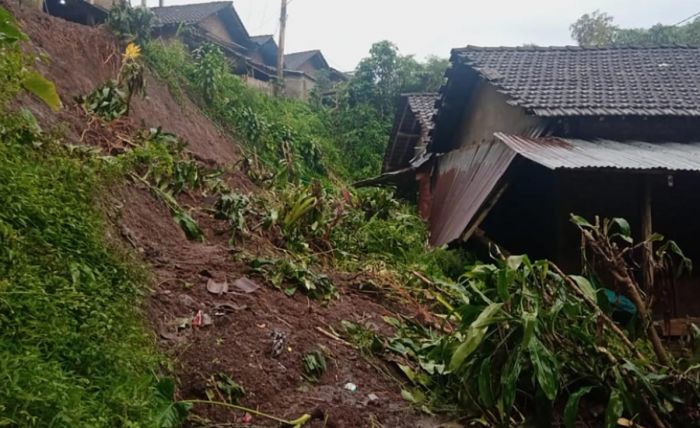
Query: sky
{"type": "Point", "coordinates": [345, 30]}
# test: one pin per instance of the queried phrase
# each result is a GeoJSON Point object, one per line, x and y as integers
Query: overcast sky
{"type": "Point", "coordinates": [345, 29]}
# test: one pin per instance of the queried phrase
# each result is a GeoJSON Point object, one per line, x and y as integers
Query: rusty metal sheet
{"type": "Point", "coordinates": [561, 153]}
{"type": "Point", "coordinates": [464, 180]}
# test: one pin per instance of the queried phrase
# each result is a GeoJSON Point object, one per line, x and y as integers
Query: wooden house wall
{"type": "Point", "coordinates": [216, 27]}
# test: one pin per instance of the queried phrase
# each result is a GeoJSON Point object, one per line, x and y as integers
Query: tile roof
{"type": "Point", "coordinates": [574, 81]}
{"type": "Point", "coordinates": [189, 13]}
{"type": "Point", "coordinates": [261, 40]}
{"type": "Point", "coordinates": [564, 153]}
{"type": "Point", "coordinates": [410, 132]}
{"type": "Point", "coordinates": [295, 60]}
{"type": "Point", "coordinates": [423, 107]}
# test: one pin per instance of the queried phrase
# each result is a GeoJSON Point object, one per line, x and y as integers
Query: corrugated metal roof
{"type": "Point", "coordinates": [564, 153]}
{"type": "Point", "coordinates": [465, 180]}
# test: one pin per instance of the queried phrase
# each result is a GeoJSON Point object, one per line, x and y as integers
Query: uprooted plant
{"type": "Point", "coordinates": [529, 340]}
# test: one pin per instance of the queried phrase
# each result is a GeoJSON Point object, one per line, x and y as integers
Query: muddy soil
{"type": "Point", "coordinates": [239, 341]}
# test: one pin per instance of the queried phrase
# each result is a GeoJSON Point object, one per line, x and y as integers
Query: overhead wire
{"type": "Point", "coordinates": [686, 19]}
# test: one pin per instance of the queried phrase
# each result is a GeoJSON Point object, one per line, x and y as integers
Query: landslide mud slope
{"type": "Point", "coordinates": [238, 344]}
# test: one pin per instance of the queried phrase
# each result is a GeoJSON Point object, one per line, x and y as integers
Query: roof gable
{"type": "Point", "coordinates": [412, 125]}
{"type": "Point", "coordinates": [574, 81]}
{"type": "Point", "coordinates": [295, 60]}
{"type": "Point", "coordinates": [198, 12]}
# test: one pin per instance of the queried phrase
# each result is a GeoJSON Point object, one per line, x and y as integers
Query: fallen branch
{"type": "Point", "coordinates": [601, 315]}
{"type": "Point", "coordinates": [301, 421]}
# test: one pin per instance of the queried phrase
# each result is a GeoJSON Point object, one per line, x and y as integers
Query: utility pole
{"type": "Point", "coordinates": [280, 49]}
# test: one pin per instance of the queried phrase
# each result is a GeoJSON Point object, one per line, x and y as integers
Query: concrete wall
{"type": "Point", "coordinates": [488, 112]}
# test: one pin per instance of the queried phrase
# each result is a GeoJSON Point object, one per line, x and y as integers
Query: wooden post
{"type": "Point", "coordinates": [280, 48]}
{"type": "Point", "coordinates": [647, 230]}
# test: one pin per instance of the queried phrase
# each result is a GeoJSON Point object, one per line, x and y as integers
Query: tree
{"type": "Point", "coordinates": [597, 30]}
{"type": "Point", "coordinates": [369, 101]}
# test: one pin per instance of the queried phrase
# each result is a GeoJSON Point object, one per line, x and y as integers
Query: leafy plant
{"type": "Point", "coordinates": [108, 101]}
{"type": "Point", "coordinates": [131, 24]}
{"type": "Point", "coordinates": [73, 350]}
{"type": "Point", "coordinates": [130, 76]}
{"type": "Point", "coordinates": [16, 69]}
{"type": "Point", "coordinates": [235, 208]}
{"type": "Point", "coordinates": [210, 64]}
{"type": "Point", "coordinates": [294, 276]}
{"type": "Point", "coordinates": [170, 413]}
{"type": "Point", "coordinates": [364, 338]}
{"type": "Point", "coordinates": [224, 387]}
{"type": "Point", "coordinates": [314, 365]}
{"type": "Point", "coordinates": [528, 337]}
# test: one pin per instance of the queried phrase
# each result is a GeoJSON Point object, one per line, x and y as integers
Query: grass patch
{"type": "Point", "coordinates": [73, 351]}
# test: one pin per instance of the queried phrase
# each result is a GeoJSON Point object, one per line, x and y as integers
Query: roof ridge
{"type": "Point", "coordinates": [193, 4]}
{"type": "Point", "coordinates": [304, 52]}
{"type": "Point", "coordinates": [572, 48]}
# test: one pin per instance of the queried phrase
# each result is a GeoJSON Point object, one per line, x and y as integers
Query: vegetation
{"type": "Point", "coordinates": [72, 350]}
{"type": "Point", "coordinates": [112, 100]}
{"type": "Point", "coordinates": [295, 139]}
{"type": "Point", "coordinates": [131, 24]}
{"type": "Point", "coordinates": [597, 29]}
{"type": "Point", "coordinates": [16, 67]}
{"type": "Point", "coordinates": [369, 102]}
{"type": "Point", "coordinates": [529, 341]}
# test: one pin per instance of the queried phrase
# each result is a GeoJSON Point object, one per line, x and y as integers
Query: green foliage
{"type": "Point", "coordinates": [363, 337]}
{"type": "Point", "coordinates": [289, 136]}
{"type": "Point", "coordinates": [72, 349]}
{"type": "Point", "coordinates": [290, 276]}
{"type": "Point", "coordinates": [210, 65]}
{"type": "Point", "coordinates": [169, 413]}
{"type": "Point", "coordinates": [113, 99]}
{"type": "Point", "coordinates": [598, 30]}
{"type": "Point", "coordinates": [222, 386]}
{"type": "Point", "coordinates": [314, 365]}
{"type": "Point", "coordinates": [363, 120]}
{"type": "Point", "coordinates": [108, 101]}
{"type": "Point", "coordinates": [16, 68]}
{"type": "Point", "coordinates": [160, 163]}
{"type": "Point", "coordinates": [131, 24]}
{"type": "Point", "coordinates": [528, 340]}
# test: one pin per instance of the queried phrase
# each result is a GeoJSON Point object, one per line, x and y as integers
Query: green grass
{"type": "Point", "coordinates": [73, 350]}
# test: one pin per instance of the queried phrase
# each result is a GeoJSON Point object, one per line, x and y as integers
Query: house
{"type": "Point", "coordinates": [254, 57]}
{"type": "Point", "coordinates": [526, 136]}
{"type": "Point", "coordinates": [83, 12]}
{"type": "Point", "coordinates": [218, 23]}
{"type": "Point", "coordinates": [407, 161]}
{"type": "Point", "coordinates": [266, 52]}
{"type": "Point", "coordinates": [316, 72]}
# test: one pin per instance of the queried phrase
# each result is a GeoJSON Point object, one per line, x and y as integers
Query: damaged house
{"type": "Point", "coordinates": [526, 136]}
